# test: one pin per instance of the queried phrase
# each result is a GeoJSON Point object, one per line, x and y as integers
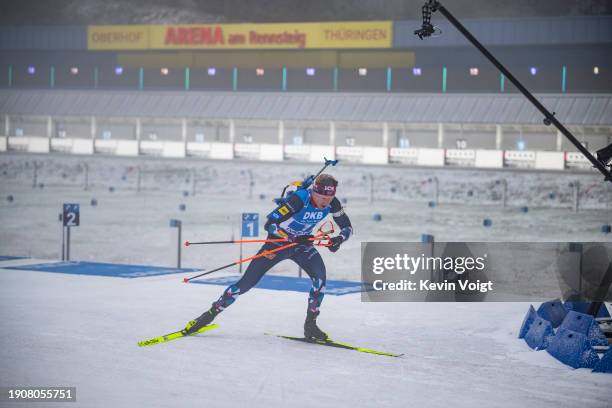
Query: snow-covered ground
{"type": "Point", "coordinates": [82, 331]}
{"type": "Point", "coordinates": [75, 330]}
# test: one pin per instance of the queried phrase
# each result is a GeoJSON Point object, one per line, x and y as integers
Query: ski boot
{"type": "Point", "coordinates": [311, 331]}
{"type": "Point", "coordinates": [205, 319]}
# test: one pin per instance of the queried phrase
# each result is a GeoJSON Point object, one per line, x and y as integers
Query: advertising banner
{"type": "Point", "coordinates": [333, 35]}
{"type": "Point", "coordinates": [120, 37]}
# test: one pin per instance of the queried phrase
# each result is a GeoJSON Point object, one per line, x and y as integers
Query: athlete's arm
{"type": "Point", "coordinates": [341, 219]}
{"type": "Point", "coordinates": [282, 213]}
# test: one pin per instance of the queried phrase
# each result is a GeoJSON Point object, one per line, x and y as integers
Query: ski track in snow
{"type": "Point", "coordinates": [74, 330]}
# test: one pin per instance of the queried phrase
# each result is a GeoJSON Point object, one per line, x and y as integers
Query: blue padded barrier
{"type": "Point", "coordinates": [573, 349]}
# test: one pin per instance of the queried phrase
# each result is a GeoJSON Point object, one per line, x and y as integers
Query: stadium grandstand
{"type": "Point", "coordinates": [365, 91]}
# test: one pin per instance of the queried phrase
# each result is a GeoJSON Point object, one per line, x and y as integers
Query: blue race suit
{"type": "Point", "coordinates": [297, 217]}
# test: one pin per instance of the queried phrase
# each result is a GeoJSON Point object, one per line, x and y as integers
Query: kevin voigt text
{"type": "Point", "coordinates": [428, 285]}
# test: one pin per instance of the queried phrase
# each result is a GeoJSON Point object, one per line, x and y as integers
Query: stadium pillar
{"type": "Point", "coordinates": [559, 140]}
{"type": "Point", "coordinates": [184, 134]}
{"type": "Point", "coordinates": [49, 127]}
{"type": "Point", "coordinates": [385, 135]}
{"type": "Point", "coordinates": [141, 78]}
{"type": "Point", "coordinates": [92, 128]}
{"type": "Point", "coordinates": [564, 79]}
{"type": "Point", "coordinates": [332, 133]}
{"type": "Point", "coordinates": [232, 131]}
{"type": "Point", "coordinates": [499, 135]}
{"type": "Point", "coordinates": [443, 79]}
{"type": "Point", "coordinates": [138, 133]}
{"type": "Point", "coordinates": [281, 132]}
{"type": "Point", "coordinates": [335, 79]}
{"type": "Point", "coordinates": [440, 135]}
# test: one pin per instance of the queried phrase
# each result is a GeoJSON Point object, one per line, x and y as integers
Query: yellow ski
{"type": "Point", "coordinates": [332, 343]}
{"type": "Point", "coordinates": [173, 336]}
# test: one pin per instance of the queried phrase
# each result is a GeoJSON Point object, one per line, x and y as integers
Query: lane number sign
{"type": "Point", "coordinates": [72, 215]}
{"type": "Point", "coordinates": [250, 224]}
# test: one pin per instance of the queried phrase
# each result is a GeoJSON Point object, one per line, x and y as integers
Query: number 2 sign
{"type": "Point", "coordinates": [71, 215]}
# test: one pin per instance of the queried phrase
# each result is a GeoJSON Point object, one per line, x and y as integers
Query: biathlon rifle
{"type": "Point", "coordinates": [304, 184]}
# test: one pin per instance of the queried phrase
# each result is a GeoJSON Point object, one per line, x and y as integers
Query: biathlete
{"type": "Point", "coordinates": [294, 221]}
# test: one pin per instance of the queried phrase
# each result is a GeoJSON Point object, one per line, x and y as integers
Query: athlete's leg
{"type": "Point", "coordinates": [309, 259]}
{"type": "Point", "coordinates": [256, 269]}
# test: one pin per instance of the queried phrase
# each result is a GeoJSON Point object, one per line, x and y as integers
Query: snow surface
{"type": "Point", "coordinates": [74, 330]}
{"type": "Point", "coordinates": [82, 331]}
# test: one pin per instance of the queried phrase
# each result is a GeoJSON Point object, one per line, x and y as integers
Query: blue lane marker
{"type": "Point", "coordinates": [10, 258]}
{"type": "Point", "coordinates": [273, 282]}
{"type": "Point", "coordinates": [289, 283]}
{"type": "Point", "coordinates": [102, 269]}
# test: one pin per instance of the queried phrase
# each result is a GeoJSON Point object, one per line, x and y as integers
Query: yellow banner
{"type": "Point", "coordinates": [337, 35]}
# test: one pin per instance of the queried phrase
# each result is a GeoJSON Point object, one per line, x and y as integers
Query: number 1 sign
{"type": "Point", "coordinates": [250, 224]}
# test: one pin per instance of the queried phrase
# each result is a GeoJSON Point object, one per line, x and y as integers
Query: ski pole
{"type": "Point", "coordinates": [242, 241]}
{"type": "Point", "coordinates": [249, 241]}
{"type": "Point", "coordinates": [264, 253]}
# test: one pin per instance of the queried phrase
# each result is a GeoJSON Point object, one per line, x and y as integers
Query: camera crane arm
{"type": "Point", "coordinates": [427, 29]}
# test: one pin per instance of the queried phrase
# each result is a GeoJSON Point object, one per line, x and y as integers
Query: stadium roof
{"type": "Point", "coordinates": [588, 110]}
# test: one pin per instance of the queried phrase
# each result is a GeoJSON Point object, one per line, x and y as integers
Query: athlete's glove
{"type": "Point", "coordinates": [274, 229]}
{"type": "Point", "coordinates": [335, 243]}
{"type": "Point", "coordinates": [302, 239]}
